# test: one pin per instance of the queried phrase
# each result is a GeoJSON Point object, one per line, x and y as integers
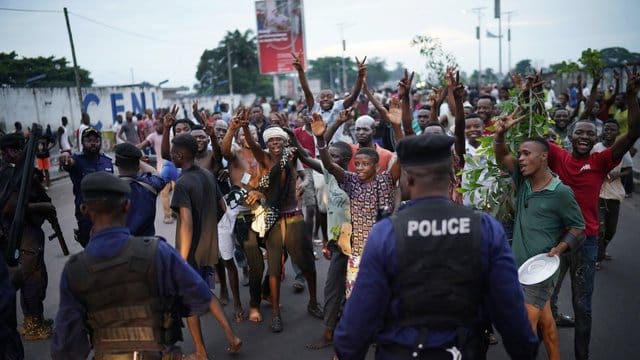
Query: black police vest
{"type": "Point", "coordinates": [439, 268]}
{"type": "Point", "coordinates": [124, 310]}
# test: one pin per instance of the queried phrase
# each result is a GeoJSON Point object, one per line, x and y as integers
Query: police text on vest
{"type": "Point", "coordinates": [439, 227]}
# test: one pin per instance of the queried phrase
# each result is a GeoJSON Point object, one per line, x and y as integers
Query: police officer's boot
{"type": "Point", "coordinates": [36, 328]}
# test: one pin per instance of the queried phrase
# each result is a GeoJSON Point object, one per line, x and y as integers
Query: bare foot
{"type": "Point", "coordinates": [239, 314]}
{"type": "Point", "coordinates": [224, 298]}
{"type": "Point", "coordinates": [234, 346]}
{"type": "Point", "coordinates": [254, 315]}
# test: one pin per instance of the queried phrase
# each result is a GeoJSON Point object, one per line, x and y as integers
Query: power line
{"type": "Point", "coordinates": [117, 28]}
{"type": "Point", "coordinates": [30, 10]}
{"type": "Point", "coordinates": [131, 33]}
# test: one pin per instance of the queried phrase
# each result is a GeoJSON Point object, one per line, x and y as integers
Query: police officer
{"type": "Point", "coordinates": [79, 165]}
{"type": "Point", "coordinates": [436, 269]}
{"type": "Point", "coordinates": [31, 274]}
{"type": "Point", "coordinates": [145, 185]}
{"type": "Point", "coordinates": [121, 290]}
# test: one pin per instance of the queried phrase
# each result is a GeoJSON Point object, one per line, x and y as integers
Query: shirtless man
{"type": "Point", "coordinates": [245, 173]}
{"type": "Point", "coordinates": [212, 161]}
{"type": "Point", "coordinates": [283, 220]}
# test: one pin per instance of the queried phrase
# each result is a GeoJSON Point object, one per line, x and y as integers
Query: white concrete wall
{"type": "Point", "coordinates": [48, 105]}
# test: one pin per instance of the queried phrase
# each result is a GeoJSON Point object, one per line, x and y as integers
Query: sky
{"type": "Point", "coordinates": [162, 40]}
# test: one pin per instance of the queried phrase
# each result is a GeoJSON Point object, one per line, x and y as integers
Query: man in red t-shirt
{"type": "Point", "coordinates": [584, 173]}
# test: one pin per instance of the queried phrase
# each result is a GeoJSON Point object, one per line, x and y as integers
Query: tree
{"type": "Point", "coordinates": [487, 77]}
{"type": "Point", "coordinates": [617, 56]}
{"type": "Point", "coordinates": [15, 72]}
{"type": "Point", "coordinates": [523, 67]}
{"type": "Point", "coordinates": [213, 71]}
{"type": "Point", "coordinates": [329, 70]}
{"type": "Point", "coordinates": [437, 58]}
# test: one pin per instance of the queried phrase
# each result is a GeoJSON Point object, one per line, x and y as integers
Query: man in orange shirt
{"type": "Point", "coordinates": [365, 126]}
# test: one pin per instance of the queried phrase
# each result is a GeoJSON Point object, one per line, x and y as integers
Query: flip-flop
{"type": "Point", "coordinates": [276, 324]}
{"type": "Point", "coordinates": [315, 311]}
{"type": "Point", "coordinates": [318, 345]}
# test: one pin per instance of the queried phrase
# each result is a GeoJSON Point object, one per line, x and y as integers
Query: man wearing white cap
{"type": "Point", "coordinates": [283, 223]}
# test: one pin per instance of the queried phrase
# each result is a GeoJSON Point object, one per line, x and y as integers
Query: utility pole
{"type": "Point", "coordinates": [230, 76]}
{"type": "Point", "coordinates": [75, 62]}
{"type": "Point", "coordinates": [478, 11]}
{"type": "Point", "coordinates": [344, 48]}
{"type": "Point", "coordinates": [497, 15]}
{"type": "Point", "coordinates": [509, 13]}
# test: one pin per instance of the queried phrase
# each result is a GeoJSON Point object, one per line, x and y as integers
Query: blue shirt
{"type": "Point", "coordinates": [175, 278]}
{"type": "Point", "coordinates": [86, 165]}
{"type": "Point", "coordinates": [142, 215]}
{"type": "Point", "coordinates": [374, 297]}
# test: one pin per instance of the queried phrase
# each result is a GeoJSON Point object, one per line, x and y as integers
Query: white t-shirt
{"type": "Point", "coordinates": [65, 145]}
{"type": "Point", "coordinates": [613, 190]}
{"type": "Point", "coordinates": [329, 116]}
{"type": "Point", "coordinates": [116, 129]}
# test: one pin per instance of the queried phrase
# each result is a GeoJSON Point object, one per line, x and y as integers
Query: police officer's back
{"type": "Point", "coordinates": [435, 270]}
{"type": "Point", "coordinates": [119, 293]}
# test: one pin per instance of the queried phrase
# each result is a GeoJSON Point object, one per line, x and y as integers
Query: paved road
{"type": "Point", "coordinates": [616, 306]}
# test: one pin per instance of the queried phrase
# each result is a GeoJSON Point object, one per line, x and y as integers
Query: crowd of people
{"type": "Point", "coordinates": [415, 266]}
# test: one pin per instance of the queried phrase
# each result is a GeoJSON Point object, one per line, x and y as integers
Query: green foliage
{"type": "Point", "coordinates": [487, 77]}
{"type": "Point", "coordinates": [437, 58]}
{"type": "Point", "coordinates": [523, 66]}
{"type": "Point", "coordinates": [213, 74]}
{"type": "Point", "coordinates": [329, 68]}
{"type": "Point", "coordinates": [487, 186]}
{"type": "Point", "coordinates": [15, 72]}
{"type": "Point", "coordinates": [592, 61]}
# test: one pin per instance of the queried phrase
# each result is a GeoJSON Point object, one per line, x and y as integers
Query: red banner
{"type": "Point", "coordinates": [280, 32]}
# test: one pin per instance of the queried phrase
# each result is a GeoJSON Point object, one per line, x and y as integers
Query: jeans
{"type": "Point", "coordinates": [582, 269]}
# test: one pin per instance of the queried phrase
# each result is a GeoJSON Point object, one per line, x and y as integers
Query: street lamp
{"type": "Point", "coordinates": [478, 11]}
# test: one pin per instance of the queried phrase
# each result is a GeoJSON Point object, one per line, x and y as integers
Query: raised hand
{"type": "Point", "coordinates": [209, 130]}
{"type": "Point", "coordinates": [507, 122]}
{"type": "Point", "coordinates": [170, 117]}
{"type": "Point", "coordinates": [239, 119]}
{"type": "Point", "coordinates": [194, 105]}
{"type": "Point", "coordinates": [458, 92]}
{"type": "Point", "coordinates": [616, 75]}
{"type": "Point", "coordinates": [297, 64]}
{"type": "Point", "coordinates": [449, 79]}
{"type": "Point", "coordinates": [516, 79]}
{"type": "Point", "coordinates": [203, 118]}
{"type": "Point", "coordinates": [318, 127]}
{"type": "Point", "coordinates": [633, 80]}
{"type": "Point", "coordinates": [362, 68]}
{"type": "Point", "coordinates": [345, 115]}
{"type": "Point", "coordinates": [394, 113]}
{"type": "Point", "coordinates": [404, 86]}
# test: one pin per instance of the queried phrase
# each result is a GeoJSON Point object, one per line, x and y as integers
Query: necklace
{"type": "Point", "coordinates": [543, 186]}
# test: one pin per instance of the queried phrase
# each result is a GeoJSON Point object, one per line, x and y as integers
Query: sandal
{"type": "Point", "coordinates": [315, 310]}
{"type": "Point", "coordinates": [276, 324]}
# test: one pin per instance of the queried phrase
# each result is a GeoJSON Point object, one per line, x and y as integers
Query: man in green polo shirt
{"type": "Point", "coordinates": [548, 220]}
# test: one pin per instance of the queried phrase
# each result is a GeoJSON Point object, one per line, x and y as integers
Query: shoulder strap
{"type": "Point", "coordinates": [141, 183]}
